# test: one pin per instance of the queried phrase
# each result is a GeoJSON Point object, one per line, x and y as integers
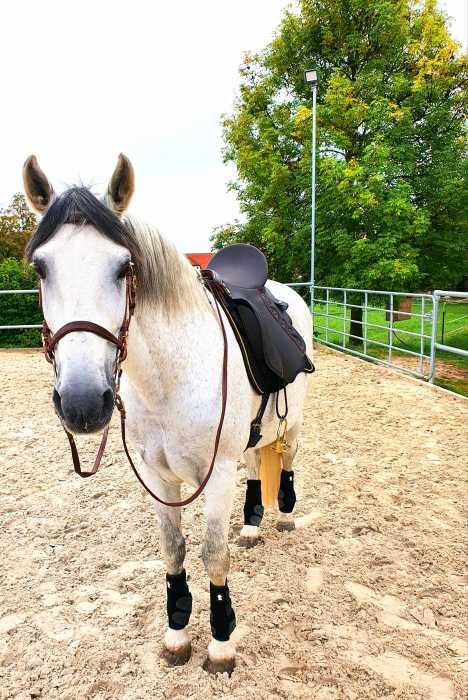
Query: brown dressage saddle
{"type": "Point", "coordinates": [274, 352]}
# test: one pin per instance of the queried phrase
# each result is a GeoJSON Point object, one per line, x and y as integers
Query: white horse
{"type": "Point", "coordinates": [171, 383]}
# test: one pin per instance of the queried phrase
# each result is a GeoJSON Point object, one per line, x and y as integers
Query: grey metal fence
{"type": "Point", "coordinates": [379, 316]}
{"type": "Point", "coordinates": [384, 337]}
{"type": "Point", "coordinates": [18, 291]}
{"type": "Point", "coordinates": [437, 295]}
{"type": "Point", "coordinates": [375, 315]}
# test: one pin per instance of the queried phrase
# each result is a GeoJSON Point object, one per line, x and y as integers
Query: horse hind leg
{"type": "Point", "coordinates": [253, 508]}
{"type": "Point", "coordinates": [286, 492]}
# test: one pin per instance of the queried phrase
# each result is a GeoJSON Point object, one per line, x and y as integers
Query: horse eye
{"type": "Point", "coordinates": [40, 268]}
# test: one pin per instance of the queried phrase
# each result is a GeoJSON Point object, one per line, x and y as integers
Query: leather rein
{"type": "Point", "coordinates": [50, 341]}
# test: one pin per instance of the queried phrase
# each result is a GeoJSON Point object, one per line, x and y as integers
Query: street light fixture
{"type": "Point", "coordinates": [311, 77]}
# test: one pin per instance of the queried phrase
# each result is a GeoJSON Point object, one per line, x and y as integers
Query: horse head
{"type": "Point", "coordinates": [81, 253]}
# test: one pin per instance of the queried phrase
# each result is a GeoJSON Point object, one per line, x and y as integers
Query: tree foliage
{"type": "Point", "coordinates": [16, 224]}
{"type": "Point", "coordinates": [391, 170]}
{"type": "Point", "coordinates": [17, 309]}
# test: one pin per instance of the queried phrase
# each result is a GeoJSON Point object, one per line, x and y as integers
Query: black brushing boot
{"type": "Point", "coordinates": [253, 509]}
{"type": "Point", "coordinates": [222, 616]}
{"type": "Point", "coordinates": [179, 600]}
{"type": "Point", "coordinates": [286, 500]}
{"type": "Point", "coordinates": [223, 623]}
{"type": "Point", "coordinates": [286, 493]}
{"type": "Point", "coordinates": [179, 608]}
{"type": "Point", "coordinates": [253, 513]}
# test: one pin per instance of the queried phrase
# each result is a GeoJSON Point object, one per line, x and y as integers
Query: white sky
{"type": "Point", "coordinates": [84, 80]}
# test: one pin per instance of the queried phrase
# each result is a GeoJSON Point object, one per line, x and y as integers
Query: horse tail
{"type": "Point", "coordinates": [271, 463]}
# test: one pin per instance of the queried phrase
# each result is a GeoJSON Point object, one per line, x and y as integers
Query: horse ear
{"type": "Point", "coordinates": [38, 189]}
{"type": "Point", "coordinates": [121, 186]}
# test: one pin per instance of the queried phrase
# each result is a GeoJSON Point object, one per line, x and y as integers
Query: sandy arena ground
{"type": "Point", "coordinates": [365, 599]}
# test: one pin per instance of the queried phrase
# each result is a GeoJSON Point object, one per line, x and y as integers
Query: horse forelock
{"type": "Point", "coordinates": [79, 206]}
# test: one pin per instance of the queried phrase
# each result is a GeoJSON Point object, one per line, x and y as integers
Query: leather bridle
{"type": "Point", "coordinates": [50, 341]}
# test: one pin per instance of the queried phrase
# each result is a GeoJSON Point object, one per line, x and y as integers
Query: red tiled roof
{"type": "Point", "coordinates": [201, 259]}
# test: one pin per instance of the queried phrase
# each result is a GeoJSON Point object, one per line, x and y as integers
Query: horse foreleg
{"type": "Point", "coordinates": [286, 493]}
{"type": "Point", "coordinates": [253, 508]}
{"type": "Point", "coordinates": [177, 646]}
{"type": "Point", "coordinates": [215, 554]}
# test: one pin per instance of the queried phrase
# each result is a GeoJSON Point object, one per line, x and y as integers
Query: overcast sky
{"type": "Point", "coordinates": [84, 80]}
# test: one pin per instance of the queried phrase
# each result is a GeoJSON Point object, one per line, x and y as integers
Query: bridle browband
{"type": "Point", "coordinates": [50, 341]}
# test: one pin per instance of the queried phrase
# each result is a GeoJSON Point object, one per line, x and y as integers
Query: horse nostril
{"type": "Point", "coordinates": [83, 408]}
{"type": "Point", "coordinates": [107, 401]}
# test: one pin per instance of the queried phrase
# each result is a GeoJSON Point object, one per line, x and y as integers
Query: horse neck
{"type": "Point", "coordinates": [160, 344]}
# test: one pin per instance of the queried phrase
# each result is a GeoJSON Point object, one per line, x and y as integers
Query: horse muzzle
{"type": "Point", "coordinates": [84, 409]}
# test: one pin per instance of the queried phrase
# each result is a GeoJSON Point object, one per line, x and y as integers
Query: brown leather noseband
{"type": "Point", "coordinates": [50, 340]}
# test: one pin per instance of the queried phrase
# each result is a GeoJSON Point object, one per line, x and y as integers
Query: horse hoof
{"type": "Point", "coordinates": [285, 525]}
{"type": "Point", "coordinates": [178, 657]}
{"type": "Point", "coordinates": [225, 666]}
{"type": "Point", "coordinates": [248, 542]}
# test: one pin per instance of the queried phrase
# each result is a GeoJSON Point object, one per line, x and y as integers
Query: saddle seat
{"type": "Point", "coordinates": [240, 265]}
{"type": "Point", "coordinates": [274, 352]}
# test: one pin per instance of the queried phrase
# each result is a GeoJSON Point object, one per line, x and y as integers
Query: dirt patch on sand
{"type": "Point", "coordinates": [447, 371]}
{"type": "Point", "coordinates": [444, 370]}
{"type": "Point", "coordinates": [365, 599]}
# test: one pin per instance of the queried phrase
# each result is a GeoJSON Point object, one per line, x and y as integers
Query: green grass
{"type": "Point", "coordinates": [451, 370]}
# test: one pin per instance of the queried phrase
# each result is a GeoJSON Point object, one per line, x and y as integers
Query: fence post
{"type": "Point", "coordinates": [432, 357]}
{"type": "Point", "coordinates": [390, 330]}
{"type": "Point", "coordinates": [326, 317]}
{"type": "Point", "coordinates": [421, 345]}
{"type": "Point", "coordinates": [344, 318]}
{"type": "Point", "coordinates": [366, 301]}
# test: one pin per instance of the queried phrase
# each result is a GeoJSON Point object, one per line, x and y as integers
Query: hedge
{"type": "Point", "coordinates": [18, 308]}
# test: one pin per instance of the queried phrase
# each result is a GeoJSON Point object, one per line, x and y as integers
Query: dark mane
{"type": "Point", "coordinates": [163, 274]}
{"type": "Point", "coordinates": [78, 205]}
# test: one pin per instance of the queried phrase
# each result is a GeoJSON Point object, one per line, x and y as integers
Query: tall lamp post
{"type": "Point", "coordinates": [311, 77]}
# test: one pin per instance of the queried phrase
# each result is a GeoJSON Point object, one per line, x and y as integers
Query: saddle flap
{"type": "Point", "coordinates": [284, 348]}
{"type": "Point", "coordinates": [276, 341]}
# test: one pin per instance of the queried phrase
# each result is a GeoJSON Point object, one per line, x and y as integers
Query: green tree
{"type": "Point", "coordinates": [16, 224]}
{"type": "Point", "coordinates": [391, 181]}
{"type": "Point", "coordinates": [17, 309]}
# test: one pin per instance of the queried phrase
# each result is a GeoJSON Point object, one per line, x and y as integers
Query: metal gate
{"type": "Point", "coordinates": [380, 339]}
{"type": "Point", "coordinates": [398, 335]}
